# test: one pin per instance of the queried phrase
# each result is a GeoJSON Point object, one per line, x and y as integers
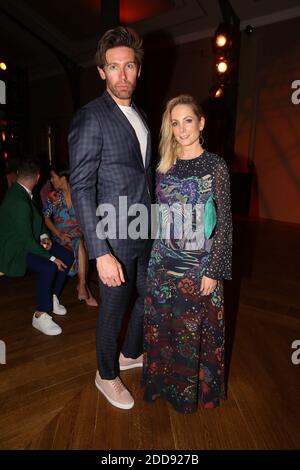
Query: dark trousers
{"type": "Point", "coordinates": [49, 279]}
{"type": "Point", "coordinates": [114, 304]}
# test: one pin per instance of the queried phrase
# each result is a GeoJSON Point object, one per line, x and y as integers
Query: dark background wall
{"type": "Point", "coordinates": [266, 164]}
{"type": "Point", "coordinates": [268, 131]}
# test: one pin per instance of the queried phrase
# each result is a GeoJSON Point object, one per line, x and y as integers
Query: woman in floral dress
{"type": "Point", "coordinates": [184, 315]}
{"type": "Point", "coordinates": [61, 220]}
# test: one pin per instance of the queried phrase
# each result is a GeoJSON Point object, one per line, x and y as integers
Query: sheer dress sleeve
{"type": "Point", "coordinates": [219, 262]}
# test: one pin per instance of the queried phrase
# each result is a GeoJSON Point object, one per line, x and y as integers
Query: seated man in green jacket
{"type": "Point", "coordinates": [25, 246]}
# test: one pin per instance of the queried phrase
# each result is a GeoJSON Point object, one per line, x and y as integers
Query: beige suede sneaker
{"type": "Point", "coordinates": [115, 392]}
{"type": "Point", "coordinates": [126, 363]}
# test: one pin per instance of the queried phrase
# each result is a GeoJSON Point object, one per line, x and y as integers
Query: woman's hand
{"type": "Point", "coordinates": [64, 237]}
{"type": "Point", "coordinates": [208, 285]}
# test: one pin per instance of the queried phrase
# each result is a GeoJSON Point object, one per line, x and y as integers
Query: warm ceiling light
{"type": "Point", "coordinates": [3, 66]}
{"type": "Point", "coordinates": [223, 36]}
{"type": "Point", "coordinates": [222, 66]}
{"type": "Point", "coordinates": [216, 91]}
{"type": "Point", "coordinates": [219, 92]}
{"type": "Point", "coordinates": [221, 40]}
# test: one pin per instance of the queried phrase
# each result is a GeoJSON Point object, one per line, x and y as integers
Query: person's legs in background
{"type": "Point", "coordinates": [67, 257]}
{"type": "Point", "coordinates": [84, 292]}
{"type": "Point", "coordinates": [49, 285]}
{"type": "Point", "coordinates": [46, 272]}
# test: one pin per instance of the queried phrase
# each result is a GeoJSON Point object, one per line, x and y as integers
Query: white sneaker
{"type": "Point", "coordinates": [57, 307]}
{"type": "Point", "coordinates": [46, 325]}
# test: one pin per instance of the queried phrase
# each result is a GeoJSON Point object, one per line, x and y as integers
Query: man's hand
{"type": "Point", "coordinates": [60, 264]}
{"type": "Point", "coordinates": [46, 243]}
{"type": "Point", "coordinates": [208, 285]}
{"type": "Point", "coordinates": [110, 270]}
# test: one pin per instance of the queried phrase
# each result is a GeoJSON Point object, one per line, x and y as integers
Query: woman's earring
{"type": "Point", "coordinates": [201, 138]}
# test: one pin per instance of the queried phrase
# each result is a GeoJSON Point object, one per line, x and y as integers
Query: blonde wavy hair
{"type": "Point", "coordinates": [168, 147]}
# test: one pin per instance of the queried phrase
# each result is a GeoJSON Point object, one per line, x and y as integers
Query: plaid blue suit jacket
{"type": "Point", "coordinates": [105, 163]}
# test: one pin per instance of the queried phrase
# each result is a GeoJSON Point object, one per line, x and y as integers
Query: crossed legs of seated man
{"type": "Point", "coordinates": [114, 303]}
{"type": "Point", "coordinates": [50, 282]}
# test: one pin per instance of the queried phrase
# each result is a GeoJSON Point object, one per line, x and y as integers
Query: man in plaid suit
{"type": "Point", "coordinates": [110, 152]}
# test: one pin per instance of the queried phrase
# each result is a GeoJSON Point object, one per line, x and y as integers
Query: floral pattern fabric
{"type": "Point", "coordinates": [184, 330]}
{"type": "Point", "coordinates": [64, 219]}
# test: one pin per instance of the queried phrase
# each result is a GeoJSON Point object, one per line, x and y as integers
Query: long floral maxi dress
{"type": "Point", "coordinates": [184, 330]}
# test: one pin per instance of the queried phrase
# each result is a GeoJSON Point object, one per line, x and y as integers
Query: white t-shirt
{"type": "Point", "coordinates": [139, 127]}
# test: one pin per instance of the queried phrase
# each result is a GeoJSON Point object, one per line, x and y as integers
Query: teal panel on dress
{"type": "Point", "coordinates": [210, 217]}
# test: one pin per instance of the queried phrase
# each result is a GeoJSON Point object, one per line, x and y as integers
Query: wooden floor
{"type": "Point", "coordinates": [47, 395]}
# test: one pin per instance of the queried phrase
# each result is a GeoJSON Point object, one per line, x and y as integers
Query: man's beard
{"type": "Point", "coordinates": [124, 94]}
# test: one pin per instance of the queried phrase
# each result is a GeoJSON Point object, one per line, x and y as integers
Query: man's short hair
{"type": "Point", "coordinates": [29, 168]}
{"type": "Point", "coordinates": [119, 37]}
